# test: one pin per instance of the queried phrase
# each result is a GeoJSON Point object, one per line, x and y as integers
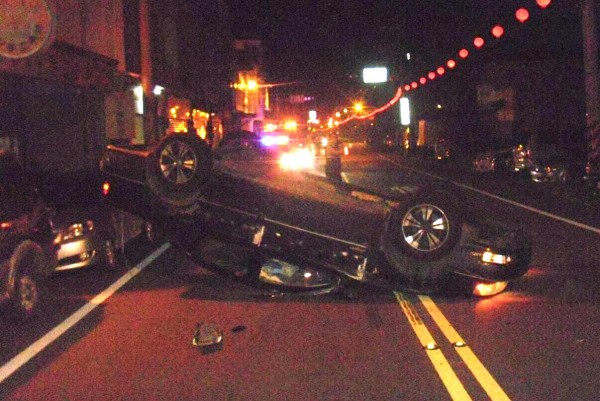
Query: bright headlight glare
{"type": "Point", "coordinates": [77, 230]}
{"type": "Point", "coordinates": [491, 257]}
{"type": "Point", "coordinates": [489, 289]}
{"type": "Point", "coordinates": [297, 160]}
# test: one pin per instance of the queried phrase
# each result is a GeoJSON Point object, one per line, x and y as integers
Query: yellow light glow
{"type": "Point", "coordinates": [270, 127]}
{"type": "Point", "coordinates": [489, 289]}
{"type": "Point", "coordinates": [252, 85]}
{"type": "Point", "coordinates": [358, 107]}
{"type": "Point", "coordinates": [490, 257]}
{"type": "Point", "coordinates": [290, 125]}
{"type": "Point", "coordinates": [299, 159]}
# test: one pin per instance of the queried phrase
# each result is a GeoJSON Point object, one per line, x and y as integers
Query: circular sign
{"type": "Point", "coordinates": [25, 27]}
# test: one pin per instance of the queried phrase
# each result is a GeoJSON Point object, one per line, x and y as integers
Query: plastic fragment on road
{"type": "Point", "coordinates": [208, 337]}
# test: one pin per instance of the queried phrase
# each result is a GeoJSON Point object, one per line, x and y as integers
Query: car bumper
{"type": "Point", "coordinates": [492, 253]}
{"type": "Point", "coordinates": [79, 253]}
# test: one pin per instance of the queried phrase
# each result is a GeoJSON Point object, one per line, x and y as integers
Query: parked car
{"type": "Point", "coordinates": [592, 173]}
{"type": "Point", "coordinates": [27, 247]}
{"type": "Point", "coordinates": [495, 161]}
{"type": "Point", "coordinates": [243, 144]}
{"type": "Point", "coordinates": [441, 150]}
{"type": "Point", "coordinates": [82, 244]}
{"type": "Point", "coordinates": [551, 156]}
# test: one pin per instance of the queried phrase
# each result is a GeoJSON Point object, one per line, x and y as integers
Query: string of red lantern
{"type": "Point", "coordinates": [497, 31]}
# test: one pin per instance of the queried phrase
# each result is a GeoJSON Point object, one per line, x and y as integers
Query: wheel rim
{"type": "Point", "coordinates": [150, 232]}
{"type": "Point", "coordinates": [425, 227]}
{"type": "Point", "coordinates": [27, 293]}
{"type": "Point", "coordinates": [178, 162]}
{"type": "Point", "coordinates": [111, 257]}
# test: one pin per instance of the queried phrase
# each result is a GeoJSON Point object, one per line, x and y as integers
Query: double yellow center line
{"type": "Point", "coordinates": [449, 378]}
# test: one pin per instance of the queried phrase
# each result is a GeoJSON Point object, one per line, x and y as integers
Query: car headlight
{"type": "Point", "coordinates": [489, 289]}
{"type": "Point", "coordinates": [77, 230]}
{"type": "Point", "coordinates": [495, 258]}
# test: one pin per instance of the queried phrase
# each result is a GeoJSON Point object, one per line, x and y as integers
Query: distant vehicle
{"type": "Point", "coordinates": [27, 247]}
{"type": "Point", "coordinates": [551, 157]}
{"type": "Point", "coordinates": [495, 161]}
{"type": "Point", "coordinates": [441, 150]}
{"type": "Point", "coordinates": [240, 141]}
{"type": "Point", "coordinates": [249, 145]}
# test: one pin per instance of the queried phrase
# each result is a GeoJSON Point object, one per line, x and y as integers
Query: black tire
{"type": "Point", "coordinates": [419, 234]}
{"type": "Point", "coordinates": [25, 299]}
{"type": "Point", "coordinates": [178, 169]}
{"type": "Point", "coordinates": [110, 259]}
{"type": "Point", "coordinates": [427, 226]}
{"type": "Point", "coordinates": [152, 233]}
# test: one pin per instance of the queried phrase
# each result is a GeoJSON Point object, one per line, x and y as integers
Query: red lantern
{"type": "Point", "coordinates": [451, 63]}
{"type": "Point", "coordinates": [431, 75]}
{"type": "Point", "coordinates": [522, 15]}
{"type": "Point", "coordinates": [479, 42]}
{"type": "Point", "coordinates": [464, 53]}
{"type": "Point", "coordinates": [423, 80]}
{"type": "Point", "coordinates": [406, 88]}
{"type": "Point", "coordinates": [414, 85]}
{"type": "Point", "coordinates": [543, 3]}
{"type": "Point", "coordinates": [441, 70]}
{"type": "Point", "coordinates": [497, 31]}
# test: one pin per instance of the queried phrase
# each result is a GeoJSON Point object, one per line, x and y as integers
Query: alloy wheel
{"type": "Point", "coordinates": [27, 294]}
{"type": "Point", "coordinates": [425, 227]}
{"type": "Point", "coordinates": [110, 254]}
{"type": "Point", "coordinates": [178, 162]}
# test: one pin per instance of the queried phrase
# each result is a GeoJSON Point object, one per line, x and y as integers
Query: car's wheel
{"type": "Point", "coordinates": [178, 169]}
{"type": "Point", "coordinates": [110, 254]}
{"type": "Point", "coordinates": [563, 176]}
{"type": "Point", "coordinates": [26, 296]}
{"type": "Point", "coordinates": [153, 233]}
{"type": "Point", "coordinates": [420, 233]}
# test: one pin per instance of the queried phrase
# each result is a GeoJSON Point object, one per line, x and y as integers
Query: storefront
{"type": "Point", "coordinates": [52, 112]}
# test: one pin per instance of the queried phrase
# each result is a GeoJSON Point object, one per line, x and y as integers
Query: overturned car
{"type": "Point", "coordinates": [423, 241]}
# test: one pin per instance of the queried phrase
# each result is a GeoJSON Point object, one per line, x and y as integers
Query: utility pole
{"type": "Point", "coordinates": [590, 61]}
{"type": "Point", "coordinates": [146, 73]}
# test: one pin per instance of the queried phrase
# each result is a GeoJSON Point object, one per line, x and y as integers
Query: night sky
{"type": "Point", "coordinates": [320, 42]}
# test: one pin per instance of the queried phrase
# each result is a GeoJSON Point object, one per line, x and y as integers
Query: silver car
{"type": "Point", "coordinates": [81, 245]}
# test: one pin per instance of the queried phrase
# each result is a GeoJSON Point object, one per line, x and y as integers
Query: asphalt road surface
{"type": "Point", "coordinates": [127, 333]}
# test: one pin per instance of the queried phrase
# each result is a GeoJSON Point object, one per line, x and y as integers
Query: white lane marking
{"type": "Point", "coordinates": [22, 358]}
{"type": "Point", "coordinates": [479, 371]}
{"type": "Point", "coordinates": [528, 208]}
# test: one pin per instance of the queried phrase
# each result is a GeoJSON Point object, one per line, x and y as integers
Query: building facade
{"type": "Point", "coordinates": [60, 105]}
